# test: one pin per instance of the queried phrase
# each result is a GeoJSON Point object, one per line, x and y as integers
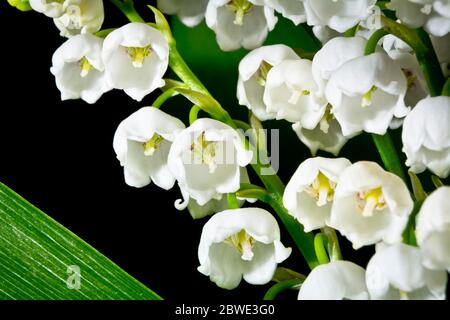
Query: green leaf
{"type": "Point", "coordinates": [22, 5]}
{"type": "Point", "coordinates": [283, 274]}
{"type": "Point", "coordinates": [39, 260]}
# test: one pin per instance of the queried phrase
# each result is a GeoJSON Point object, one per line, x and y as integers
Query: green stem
{"type": "Point", "coordinates": [163, 97]}
{"type": "Point", "coordinates": [273, 292]}
{"type": "Point", "coordinates": [319, 246]}
{"type": "Point", "coordinates": [372, 43]}
{"type": "Point", "coordinates": [334, 250]}
{"type": "Point", "coordinates": [389, 154]}
{"type": "Point", "coordinates": [127, 7]}
{"type": "Point", "coordinates": [232, 201]}
{"type": "Point", "coordinates": [446, 89]}
{"type": "Point", "coordinates": [409, 234]}
{"type": "Point", "coordinates": [351, 32]}
{"type": "Point", "coordinates": [193, 114]}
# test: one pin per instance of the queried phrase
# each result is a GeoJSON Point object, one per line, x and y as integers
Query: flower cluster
{"type": "Point", "coordinates": [366, 82]}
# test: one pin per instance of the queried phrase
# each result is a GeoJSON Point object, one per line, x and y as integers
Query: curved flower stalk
{"type": "Point", "coordinates": [338, 15]}
{"type": "Point", "coordinates": [50, 8]}
{"type": "Point", "coordinates": [190, 12]}
{"type": "Point", "coordinates": [206, 159]}
{"type": "Point", "coordinates": [366, 93]}
{"type": "Point", "coordinates": [241, 243]}
{"type": "Point", "coordinates": [337, 280]}
{"type": "Point", "coordinates": [136, 57]}
{"type": "Point", "coordinates": [290, 9]}
{"type": "Point", "coordinates": [142, 143]}
{"type": "Point", "coordinates": [425, 136]}
{"type": "Point", "coordinates": [239, 23]}
{"type": "Point", "coordinates": [293, 95]}
{"type": "Point", "coordinates": [370, 205]}
{"type": "Point", "coordinates": [396, 272]}
{"type": "Point", "coordinates": [433, 230]}
{"type": "Point", "coordinates": [80, 16]}
{"type": "Point", "coordinates": [309, 194]}
{"type": "Point", "coordinates": [78, 68]}
{"type": "Point", "coordinates": [253, 70]}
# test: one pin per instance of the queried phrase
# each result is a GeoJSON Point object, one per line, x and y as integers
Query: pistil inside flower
{"type": "Point", "coordinates": [324, 124]}
{"type": "Point", "coordinates": [296, 94]}
{"type": "Point", "coordinates": [322, 189]}
{"type": "Point", "coordinates": [85, 67]}
{"type": "Point", "coordinates": [261, 74]}
{"type": "Point", "coordinates": [367, 97]}
{"type": "Point", "coordinates": [138, 55]}
{"type": "Point", "coordinates": [151, 145]}
{"type": "Point", "coordinates": [243, 243]}
{"type": "Point", "coordinates": [371, 200]}
{"type": "Point", "coordinates": [240, 8]}
{"type": "Point", "coordinates": [205, 151]}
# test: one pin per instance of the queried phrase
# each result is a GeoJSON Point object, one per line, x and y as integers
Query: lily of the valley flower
{"type": "Point", "coordinates": [50, 8]}
{"type": "Point", "coordinates": [336, 280]}
{"type": "Point", "coordinates": [253, 70]}
{"type": "Point", "coordinates": [239, 23]}
{"type": "Point", "coordinates": [190, 12]}
{"type": "Point", "coordinates": [241, 243]}
{"type": "Point", "coordinates": [339, 15]}
{"type": "Point", "coordinates": [142, 142]}
{"type": "Point", "coordinates": [425, 136]}
{"type": "Point", "coordinates": [396, 272]}
{"type": "Point", "coordinates": [136, 57]}
{"type": "Point", "coordinates": [292, 94]}
{"type": "Point", "coordinates": [80, 16]}
{"type": "Point", "coordinates": [366, 93]}
{"type": "Point", "coordinates": [433, 230]}
{"type": "Point", "coordinates": [206, 159]}
{"type": "Point", "coordinates": [290, 9]}
{"type": "Point", "coordinates": [78, 68]}
{"type": "Point", "coordinates": [309, 193]}
{"type": "Point", "coordinates": [441, 46]}
{"type": "Point", "coordinates": [370, 205]}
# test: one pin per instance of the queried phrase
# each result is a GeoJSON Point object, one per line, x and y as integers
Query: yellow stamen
{"type": "Point", "coordinates": [151, 145]}
{"type": "Point", "coordinates": [85, 67]}
{"type": "Point", "coordinates": [261, 74]}
{"type": "Point", "coordinates": [205, 151]}
{"type": "Point", "coordinates": [243, 243]}
{"type": "Point", "coordinates": [367, 97]}
{"type": "Point", "coordinates": [324, 124]}
{"type": "Point", "coordinates": [240, 8]}
{"type": "Point", "coordinates": [322, 189]}
{"type": "Point", "coordinates": [138, 55]}
{"type": "Point", "coordinates": [374, 200]}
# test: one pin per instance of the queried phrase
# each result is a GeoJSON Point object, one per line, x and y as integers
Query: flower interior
{"type": "Point", "coordinates": [151, 145]}
{"type": "Point", "coordinates": [205, 151]}
{"type": "Point", "coordinates": [261, 74]}
{"type": "Point", "coordinates": [138, 55]}
{"type": "Point", "coordinates": [371, 200]}
{"type": "Point", "coordinates": [321, 189]}
{"type": "Point", "coordinates": [240, 8]}
{"type": "Point", "coordinates": [85, 67]}
{"type": "Point", "coordinates": [243, 243]}
{"type": "Point", "coordinates": [367, 97]}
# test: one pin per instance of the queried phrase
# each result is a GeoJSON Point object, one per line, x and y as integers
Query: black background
{"type": "Point", "coordinates": [59, 156]}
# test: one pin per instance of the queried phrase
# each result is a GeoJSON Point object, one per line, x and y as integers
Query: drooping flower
{"type": "Point", "coordinates": [290, 9]}
{"type": "Point", "coordinates": [370, 205]}
{"type": "Point", "coordinates": [241, 243]}
{"type": "Point", "coordinates": [142, 143]}
{"type": "Point", "coordinates": [426, 136]}
{"type": "Point", "coordinates": [309, 193]}
{"type": "Point", "coordinates": [336, 280]}
{"type": "Point", "coordinates": [396, 272]}
{"type": "Point", "coordinates": [253, 70]}
{"type": "Point", "coordinates": [338, 15]}
{"type": "Point", "coordinates": [78, 68]}
{"type": "Point", "coordinates": [190, 12]}
{"type": "Point", "coordinates": [239, 23]}
{"type": "Point", "coordinates": [136, 56]}
{"type": "Point", "coordinates": [50, 8]}
{"type": "Point", "coordinates": [293, 95]}
{"type": "Point", "coordinates": [433, 230]}
{"type": "Point", "coordinates": [206, 159]}
{"type": "Point", "coordinates": [366, 93]}
{"type": "Point", "coordinates": [80, 16]}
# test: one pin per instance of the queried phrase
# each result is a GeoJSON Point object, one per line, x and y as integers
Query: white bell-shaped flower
{"type": "Point", "coordinates": [426, 136]}
{"type": "Point", "coordinates": [142, 143]}
{"type": "Point", "coordinates": [241, 243]}
{"type": "Point", "coordinates": [333, 55]}
{"type": "Point", "coordinates": [310, 191]}
{"type": "Point", "coordinates": [433, 230]}
{"type": "Point", "coordinates": [136, 56]}
{"type": "Point", "coordinates": [411, 13]}
{"type": "Point", "coordinates": [239, 23]}
{"type": "Point", "coordinates": [190, 12]}
{"type": "Point", "coordinates": [80, 16]}
{"type": "Point", "coordinates": [293, 95]}
{"type": "Point", "coordinates": [290, 9]}
{"type": "Point", "coordinates": [391, 42]}
{"type": "Point", "coordinates": [78, 68]}
{"type": "Point", "coordinates": [206, 159]}
{"type": "Point", "coordinates": [50, 8]}
{"type": "Point", "coordinates": [366, 93]}
{"type": "Point", "coordinates": [370, 205]}
{"type": "Point", "coordinates": [336, 14]}
{"type": "Point", "coordinates": [253, 70]}
{"type": "Point", "coordinates": [337, 280]}
{"type": "Point", "coordinates": [441, 46]}
{"type": "Point", "coordinates": [396, 272]}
